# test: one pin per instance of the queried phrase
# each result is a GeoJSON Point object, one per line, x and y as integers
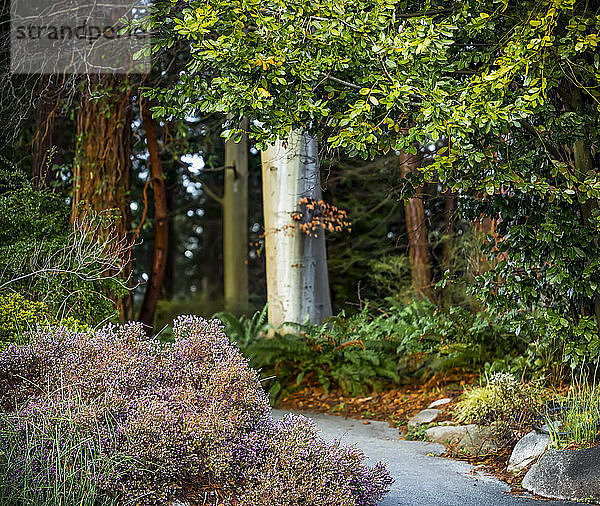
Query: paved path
{"type": "Point", "coordinates": [421, 479]}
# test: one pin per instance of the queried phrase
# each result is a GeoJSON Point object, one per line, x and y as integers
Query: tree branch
{"type": "Point", "coordinates": [432, 12]}
{"type": "Point", "coordinates": [206, 189]}
{"type": "Point", "coordinates": [345, 83]}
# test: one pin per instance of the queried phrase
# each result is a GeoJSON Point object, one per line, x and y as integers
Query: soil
{"type": "Point", "coordinates": [395, 406]}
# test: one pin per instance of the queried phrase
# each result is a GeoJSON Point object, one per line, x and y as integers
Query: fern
{"type": "Point", "coordinates": [370, 349]}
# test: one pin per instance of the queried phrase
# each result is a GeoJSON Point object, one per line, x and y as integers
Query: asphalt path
{"type": "Point", "coordinates": [421, 478]}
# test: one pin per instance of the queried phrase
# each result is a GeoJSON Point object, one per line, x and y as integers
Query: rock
{"type": "Point", "coordinates": [438, 403]}
{"type": "Point", "coordinates": [479, 440]}
{"type": "Point", "coordinates": [447, 434]}
{"type": "Point", "coordinates": [425, 416]}
{"type": "Point", "coordinates": [566, 474]}
{"type": "Point", "coordinates": [529, 447]}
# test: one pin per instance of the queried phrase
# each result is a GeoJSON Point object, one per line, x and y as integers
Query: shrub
{"type": "Point", "coordinates": [18, 316]}
{"type": "Point", "coordinates": [183, 420]}
{"type": "Point", "coordinates": [508, 404]}
{"type": "Point", "coordinates": [70, 267]}
{"type": "Point", "coordinates": [300, 468]}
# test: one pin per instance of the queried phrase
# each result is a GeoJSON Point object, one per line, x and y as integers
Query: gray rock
{"type": "Point", "coordinates": [479, 440]}
{"type": "Point", "coordinates": [425, 416]}
{"type": "Point", "coordinates": [529, 448]}
{"type": "Point", "coordinates": [566, 474]}
{"type": "Point", "coordinates": [447, 434]}
{"type": "Point", "coordinates": [438, 403]}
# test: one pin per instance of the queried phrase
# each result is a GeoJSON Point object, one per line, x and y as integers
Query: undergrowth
{"type": "Point", "coordinates": [510, 406]}
{"type": "Point", "coordinates": [375, 347]}
{"type": "Point", "coordinates": [574, 419]}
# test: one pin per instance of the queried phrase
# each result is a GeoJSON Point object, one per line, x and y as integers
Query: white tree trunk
{"type": "Point", "coordinates": [297, 280]}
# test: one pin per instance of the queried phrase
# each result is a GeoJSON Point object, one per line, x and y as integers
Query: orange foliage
{"type": "Point", "coordinates": [315, 215]}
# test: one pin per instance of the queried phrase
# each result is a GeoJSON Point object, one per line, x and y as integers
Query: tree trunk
{"type": "Point", "coordinates": [161, 228]}
{"type": "Point", "coordinates": [418, 245]}
{"type": "Point", "coordinates": [584, 163]}
{"type": "Point", "coordinates": [235, 224]}
{"type": "Point", "coordinates": [102, 170]}
{"type": "Point", "coordinates": [297, 279]}
{"type": "Point", "coordinates": [49, 120]}
{"type": "Point", "coordinates": [168, 286]}
{"type": "Point", "coordinates": [449, 211]}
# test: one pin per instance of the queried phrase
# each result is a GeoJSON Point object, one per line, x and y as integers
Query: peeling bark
{"type": "Point", "coordinates": [102, 169]}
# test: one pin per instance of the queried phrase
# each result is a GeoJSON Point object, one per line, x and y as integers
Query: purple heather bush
{"type": "Point", "coordinates": [131, 420]}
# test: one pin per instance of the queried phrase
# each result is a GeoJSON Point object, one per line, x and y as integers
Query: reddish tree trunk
{"type": "Point", "coordinates": [102, 170]}
{"type": "Point", "coordinates": [418, 246]}
{"type": "Point", "coordinates": [161, 227]}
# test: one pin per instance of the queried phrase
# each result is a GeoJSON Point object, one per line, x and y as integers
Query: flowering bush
{"type": "Point", "coordinates": [299, 468]}
{"type": "Point", "coordinates": [158, 422]}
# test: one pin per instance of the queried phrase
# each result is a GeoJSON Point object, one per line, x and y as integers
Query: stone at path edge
{"type": "Point", "coordinates": [529, 447]}
{"type": "Point", "coordinates": [424, 416]}
{"type": "Point", "coordinates": [566, 474]}
{"type": "Point", "coordinates": [479, 440]}
{"type": "Point", "coordinates": [447, 434]}
{"type": "Point", "coordinates": [439, 402]}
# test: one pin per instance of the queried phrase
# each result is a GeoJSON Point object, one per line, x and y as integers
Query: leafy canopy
{"type": "Point", "coordinates": [372, 75]}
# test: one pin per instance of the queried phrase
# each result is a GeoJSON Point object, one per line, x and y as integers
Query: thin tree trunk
{"type": "Point", "coordinates": [449, 211]}
{"type": "Point", "coordinates": [48, 138]}
{"type": "Point", "coordinates": [297, 279]}
{"type": "Point", "coordinates": [102, 170]}
{"type": "Point", "coordinates": [235, 224]}
{"type": "Point", "coordinates": [418, 245]}
{"type": "Point", "coordinates": [161, 229]}
{"type": "Point", "coordinates": [168, 286]}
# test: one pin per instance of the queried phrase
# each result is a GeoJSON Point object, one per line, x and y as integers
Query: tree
{"type": "Point", "coordinates": [102, 169]}
{"type": "Point", "coordinates": [235, 223]}
{"type": "Point", "coordinates": [418, 245]}
{"type": "Point", "coordinates": [512, 86]}
{"type": "Point", "coordinates": [161, 225]}
{"type": "Point", "coordinates": [297, 279]}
